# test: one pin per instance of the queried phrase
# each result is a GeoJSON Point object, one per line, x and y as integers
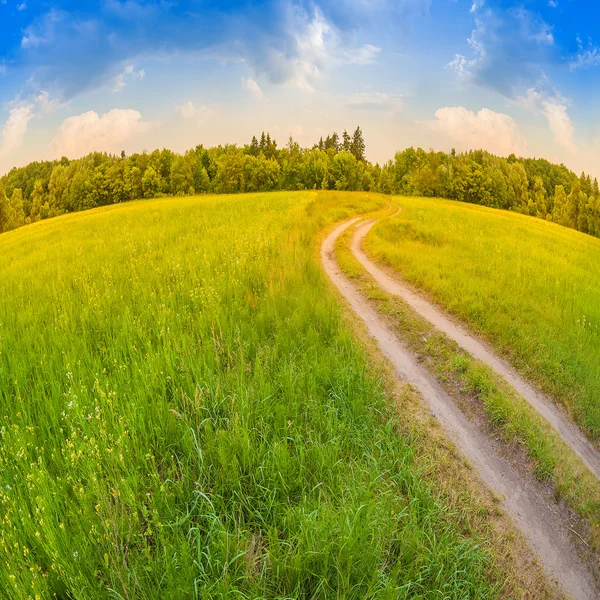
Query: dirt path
{"type": "Point", "coordinates": [569, 432]}
{"type": "Point", "coordinates": [536, 518]}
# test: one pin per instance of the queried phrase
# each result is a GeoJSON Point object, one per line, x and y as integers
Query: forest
{"type": "Point", "coordinates": [536, 187]}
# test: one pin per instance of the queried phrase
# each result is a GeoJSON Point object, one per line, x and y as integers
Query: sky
{"type": "Point", "coordinates": [112, 75]}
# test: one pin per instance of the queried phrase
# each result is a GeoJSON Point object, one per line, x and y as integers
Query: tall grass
{"type": "Point", "coordinates": [184, 414]}
{"type": "Point", "coordinates": [530, 287]}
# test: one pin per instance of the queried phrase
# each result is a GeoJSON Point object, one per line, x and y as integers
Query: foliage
{"type": "Point", "coordinates": [528, 186]}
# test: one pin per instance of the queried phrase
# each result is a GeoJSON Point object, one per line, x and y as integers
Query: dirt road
{"type": "Point", "coordinates": [536, 518]}
{"type": "Point", "coordinates": [568, 431]}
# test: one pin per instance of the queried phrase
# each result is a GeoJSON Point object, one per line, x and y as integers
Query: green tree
{"type": "Point", "coordinates": [357, 145]}
{"type": "Point", "coordinates": [559, 211]}
{"type": "Point", "coordinates": [5, 216]}
{"type": "Point", "coordinates": [151, 183]}
{"type": "Point", "coordinates": [344, 172]}
{"type": "Point", "coordinates": [346, 142]}
{"type": "Point", "coordinates": [17, 212]}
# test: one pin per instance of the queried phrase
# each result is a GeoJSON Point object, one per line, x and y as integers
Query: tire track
{"type": "Point", "coordinates": [565, 428]}
{"type": "Point", "coordinates": [537, 519]}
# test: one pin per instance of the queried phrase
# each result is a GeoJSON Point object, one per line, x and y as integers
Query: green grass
{"type": "Point", "coordinates": [185, 413]}
{"type": "Point", "coordinates": [530, 287]}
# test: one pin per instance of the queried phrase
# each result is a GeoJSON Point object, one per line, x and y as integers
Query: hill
{"type": "Point", "coordinates": [185, 411]}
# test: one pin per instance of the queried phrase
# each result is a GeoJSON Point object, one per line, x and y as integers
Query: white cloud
{"type": "Point", "coordinates": [585, 58]}
{"type": "Point", "coordinates": [22, 6]}
{"type": "Point", "coordinates": [190, 111]}
{"type": "Point", "coordinates": [373, 101]}
{"type": "Point", "coordinates": [127, 74]}
{"type": "Point", "coordinates": [252, 86]}
{"type": "Point", "coordinates": [88, 132]}
{"type": "Point", "coordinates": [15, 128]}
{"type": "Point", "coordinates": [21, 112]}
{"type": "Point", "coordinates": [312, 46]}
{"type": "Point", "coordinates": [496, 132]}
{"type": "Point", "coordinates": [554, 108]}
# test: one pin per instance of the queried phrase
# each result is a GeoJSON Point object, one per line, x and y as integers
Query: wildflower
{"type": "Point", "coordinates": [75, 555]}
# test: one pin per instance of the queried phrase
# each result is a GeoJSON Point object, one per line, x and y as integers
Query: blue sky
{"type": "Point", "coordinates": [109, 75]}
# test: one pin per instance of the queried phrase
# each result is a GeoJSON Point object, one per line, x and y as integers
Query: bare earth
{"type": "Point", "coordinates": [538, 519]}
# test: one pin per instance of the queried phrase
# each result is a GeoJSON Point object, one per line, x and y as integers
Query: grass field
{"type": "Point", "coordinates": [185, 413]}
{"type": "Point", "coordinates": [531, 287]}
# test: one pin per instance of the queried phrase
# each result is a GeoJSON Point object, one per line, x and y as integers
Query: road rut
{"type": "Point", "coordinates": [548, 536]}
{"type": "Point", "coordinates": [567, 430]}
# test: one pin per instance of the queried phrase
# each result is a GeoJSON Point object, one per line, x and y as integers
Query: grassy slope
{"type": "Point", "coordinates": [529, 286]}
{"type": "Point", "coordinates": [183, 412]}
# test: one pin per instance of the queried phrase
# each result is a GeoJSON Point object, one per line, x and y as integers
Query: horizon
{"type": "Point", "coordinates": [503, 76]}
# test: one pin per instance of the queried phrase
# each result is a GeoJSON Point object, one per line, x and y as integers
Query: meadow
{"type": "Point", "coordinates": [185, 412]}
{"type": "Point", "coordinates": [530, 287]}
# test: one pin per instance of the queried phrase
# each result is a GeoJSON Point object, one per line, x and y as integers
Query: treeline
{"type": "Point", "coordinates": [532, 186]}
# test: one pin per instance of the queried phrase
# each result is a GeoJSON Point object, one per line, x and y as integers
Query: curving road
{"type": "Point", "coordinates": [547, 534]}
{"type": "Point", "coordinates": [565, 428]}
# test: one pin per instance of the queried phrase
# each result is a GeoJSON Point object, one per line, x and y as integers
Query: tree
{"type": "Point", "coordinates": [5, 215]}
{"type": "Point", "coordinates": [344, 172]}
{"type": "Point", "coordinates": [537, 201]}
{"type": "Point", "coordinates": [58, 187]}
{"type": "Point", "coordinates": [559, 211]}
{"type": "Point", "coordinates": [38, 201]}
{"type": "Point", "coordinates": [17, 213]}
{"type": "Point", "coordinates": [346, 143]}
{"type": "Point", "coordinates": [254, 147]}
{"type": "Point", "coordinates": [150, 183]}
{"type": "Point", "coordinates": [182, 175]}
{"type": "Point", "coordinates": [357, 146]}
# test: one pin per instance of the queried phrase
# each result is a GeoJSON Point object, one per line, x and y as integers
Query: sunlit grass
{"type": "Point", "coordinates": [185, 414]}
{"type": "Point", "coordinates": [530, 287]}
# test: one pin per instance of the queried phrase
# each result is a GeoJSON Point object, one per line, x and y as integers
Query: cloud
{"type": "Point", "coordinates": [253, 87]}
{"type": "Point", "coordinates": [373, 101]}
{"type": "Point", "coordinates": [15, 128]}
{"type": "Point", "coordinates": [81, 134]}
{"type": "Point", "coordinates": [496, 132]}
{"type": "Point", "coordinates": [309, 45]}
{"type": "Point", "coordinates": [190, 111]}
{"type": "Point", "coordinates": [21, 112]}
{"type": "Point", "coordinates": [284, 41]}
{"type": "Point", "coordinates": [554, 108]}
{"type": "Point", "coordinates": [508, 50]}
{"type": "Point", "coordinates": [128, 74]}
{"type": "Point", "coordinates": [585, 58]}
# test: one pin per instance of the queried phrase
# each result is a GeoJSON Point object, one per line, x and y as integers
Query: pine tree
{"type": "Point", "coordinates": [321, 144]}
{"type": "Point", "coordinates": [263, 142]}
{"type": "Point", "coordinates": [254, 147]}
{"type": "Point", "coordinates": [335, 141]}
{"type": "Point", "coordinates": [346, 141]}
{"type": "Point", "coordinates": [357, 146]}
